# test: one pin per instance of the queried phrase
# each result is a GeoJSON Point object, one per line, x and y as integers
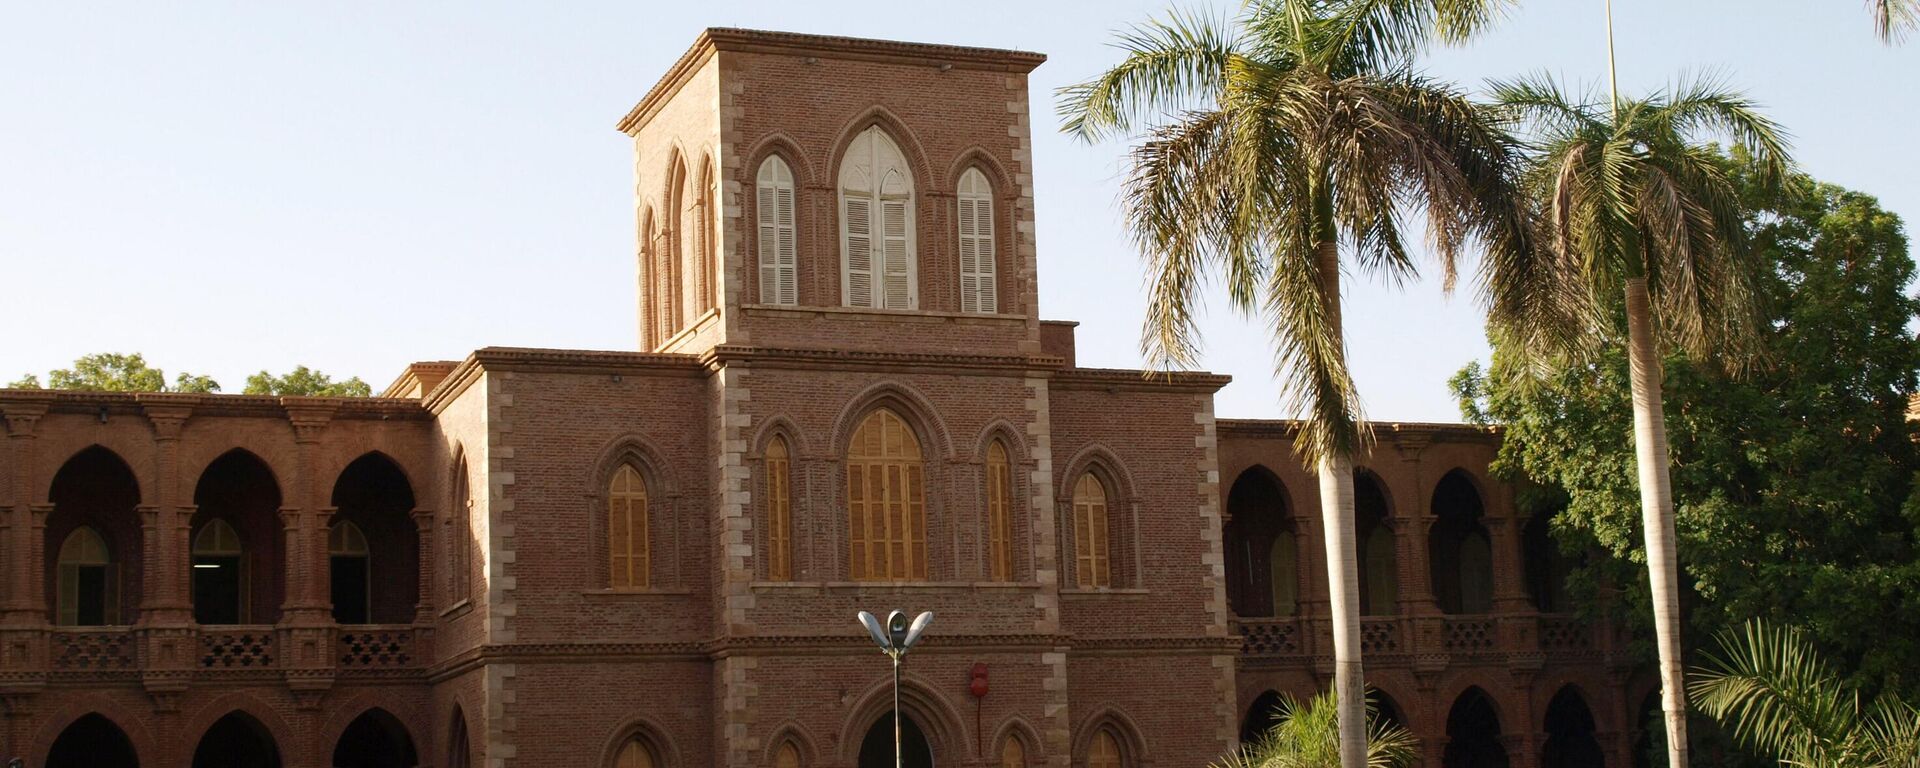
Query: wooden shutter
{"type": "Point", "coordinates": [897, 256]}
{"type": "Point", "coordinates": [627, 551]}
{"type": "Point", "coordinates": [779, 512]}
{"type": "Point", "coordinates": [999, 513]}
{"type": "Point", "coordinates": [1104, 752]}
{"type": "Point", "coordinates": [856, 216]}
{"type": "Point", "coordinates": [978, 290]}
{"type": "Point", "coordinates": [1013, 754]}
{"type": "Point", "coordinates": [634, 755]}
{"type": "Point", "coordinates": [1092, 569]}
{"type": "Point", "coordinates": [774, 203]}
{"type": "Point", "coordinates": [789, 757]}
{"type": "Point", "coordinates": [886, 501]}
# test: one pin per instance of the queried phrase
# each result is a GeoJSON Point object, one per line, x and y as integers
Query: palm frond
{"type": "Point", "coordinates": [1171, 65]}
{"type": "Point", "coordinates": [1893, 19]}
{"type": "Point", "coordinates": [1775, 694]}
{"type": "Point", "coordinates": [1384, 35]}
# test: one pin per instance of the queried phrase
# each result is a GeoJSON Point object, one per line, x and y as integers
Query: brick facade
{"type": "Point", "coordinates": [497, 638]}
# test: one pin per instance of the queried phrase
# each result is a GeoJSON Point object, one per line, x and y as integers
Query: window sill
{"type": "Point", "coordinates": [855, 313]}
{"type": "Point", "coordinates": [646, 592]}
{"type": "Point", "coordinates": [1102, 592]}
{"type": "Point", "coordinates": [457, 610]}
{"type": "Point", "coordinates": [894, 586]}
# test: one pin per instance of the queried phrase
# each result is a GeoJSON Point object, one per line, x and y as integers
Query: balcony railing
{"type": "Point", "coordinates": [93, 650]}
{"type": "Point", "coordinates": [376, 647]}
{"type": "Point", "coordinates": [1565, 634]}
{"type": "Point", "coordinates": [238, 647]}
{"type": "Point", "coordinates": [1270, 637]}
{"type": "Point", "coordinates": [1469, 634]}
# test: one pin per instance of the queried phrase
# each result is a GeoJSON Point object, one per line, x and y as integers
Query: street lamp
{"type": "Point", "coordinates": [895, 639]}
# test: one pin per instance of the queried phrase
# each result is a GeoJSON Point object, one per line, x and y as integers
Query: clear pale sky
{"type": "Point", "coordinates": [353, 186]}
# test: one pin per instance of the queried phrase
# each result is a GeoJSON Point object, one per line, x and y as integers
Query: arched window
{"type": "Point", "coordinates": [460, 543]}
{"type": "Point", "coordinates": [707, 219]}
{"type": "Point", "coordinates": [459, 752]}
{"type": "Point", "coordinates": [876, 225]}
{"type": "Point", "coordinates": [1092, 564]}
{"type": "Point", "coordinates": [627, 554]}
{"type": "Point", "coordinates": [1013, 754]}
{"type": "Point", "coordinates": [975, 199]}
{"type": "Point", "coordinates": [788, 756]}
{"type": "Point", "coordinates": [999, 513]}
{"type": "Point", "coordinates": [351, 566]}
{"type": "Point", "coordinates": [634, 754]}
{"type": "Point", "coordinates": [779, 511]}
{"type": "Point", "coordinates": [1382, 591]}
{"type": "Point", "coordinates": [1104, 750]}
{"type": "Point", "coordinates": [779, 283]}
{"type": "Point", "coordinates": [886, 501]}
{"type": "Point", "coordinates": [1283, 564]}
{"type": "Point", "coordinates": [652, 319]}
{"type": "Point", "coordinates": [89, 581]}
{"type": "Point", "coordinates": [219, 575]}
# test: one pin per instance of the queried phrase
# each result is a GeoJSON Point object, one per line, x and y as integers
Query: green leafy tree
{"type": "Point", "coordinates": [1637, 208]}
{"type": "Point", "coordinates": [305, 381]}
{"type": "Point", "coordinates": [1773, 691]}
{"type": "Point", "coordinates": [1266, 143]}
{"type": "Point", "coordinates": [1793, 483]}
{"type": "Point", "coordinates": [113, 372]}
{"type": "Point", "coordinates": [1307, 735]}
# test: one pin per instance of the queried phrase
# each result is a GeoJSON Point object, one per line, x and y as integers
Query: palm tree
{"type": "Point", "coordinates": [1634, 206]}
{"type": "Point", "coordinates": [1771, 690]}
{"type": "Point", "coordinates": [1892, 19]}
{"type": "Point", "coordinates": [1271, 141]}
{"type": "Point", "coordinates": [1308, 736]}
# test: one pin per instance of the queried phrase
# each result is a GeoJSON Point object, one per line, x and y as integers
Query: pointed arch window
{"type": "Point", "coordinates": [974, 198]}
{"type": "Point", "coordinates": [1104, 750]}
{"type": "Point", "coordinates": [708, 218]}
{"type": "Point", "coordinates": [1093, 567]}
{"type": "Point", "coordinates": [999, 513]}
{"type": "Point", "coordinates": [779, 510]}
{"type": "Point", "coordinates": [1382, 590]}
{"type": "Point", "coordinates": [627, 540]}
{"type": "Point", "coordinates": [878, 264]}
{"type": "Point", "coordinates": [1283, 563]}
{"type": "Point", "coordinates": [1013, 754]}
{"type": "Point", "coordinates": [788, 757]}
{"type": "Point", "coordinates": [89, 581]}
{"type": "Point", "coordinates": [219, 575]}
{"type": "Point", "coordinates": [886, 501]}
{"type": "Point", "coordinates": [779, 281]}
{"type": "Point", "coordinates": [634, 754]}
{"type": "Point", "coordinates": [350, 566]}
{"type": "Point", "coordinates": [460, 544]}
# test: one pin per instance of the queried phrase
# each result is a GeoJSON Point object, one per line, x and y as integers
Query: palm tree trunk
{"type": "Point", "coordinates": [1336, 514]}
{"type": "Point", "coordinates": [1656, 512]}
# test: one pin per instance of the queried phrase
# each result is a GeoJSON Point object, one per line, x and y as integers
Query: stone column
{"type": "Point", "coordinates": [23, 595]}
{"type": "Point", "coordinates": [165, 594]}
{"type": "Point", "coordinates": [304, 520]}
{"type": "Point", "coordinates": [1509, 570]}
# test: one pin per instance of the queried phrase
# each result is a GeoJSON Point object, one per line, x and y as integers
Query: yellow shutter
{"type": "Point", "coordinates": [1104, 752]}
{"type": "Point", "coordinates": [634, 754]}
{"type": "Point", "coordinates": [1090, 533]}
{"type": "Point", "coordinates": [999, 513]}
{"type": "Point", "coordinates": [627, 550]}
{"type": "Point", "coordinates": [779, 512]}
{"type": "Point", "coordinates": [886, 501]}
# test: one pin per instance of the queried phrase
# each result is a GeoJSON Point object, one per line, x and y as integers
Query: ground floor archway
{"type": "Point", "coordinates": [1571, 742]}
{"type": "Point", "coordinates": [1473, 733]}
{"type": "Point", "coordinates": [236, 741]}
{"type": "Point", "coordinates": [375, 739]}
{"type": "Point", "coordinates": [92, 741]}
{"type": "Point", "coordinates": [876, 750]}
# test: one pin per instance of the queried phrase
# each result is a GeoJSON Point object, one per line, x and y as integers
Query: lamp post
{"type": "Point", "coordinates": [895, 638]}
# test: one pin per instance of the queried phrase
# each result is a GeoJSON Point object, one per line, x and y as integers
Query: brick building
{"type": "Point", "coordinates": [537, 557]}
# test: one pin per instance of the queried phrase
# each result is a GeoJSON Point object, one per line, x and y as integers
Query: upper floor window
{"type": "Point", "coordinates": [975, 204]}
{"type": "Point", "coordinates": [1104, 750]}
{"type": "Point", "coordinates": [999, 513]}
{"type": "Point", "coordinates": [878, 266]}
{"type": "Point", "coordinates": [1013, 754]}
{"type": "Point", "coordinates": [789, 756]}
{"type": "Point", "coordinates": [634, 754]}
{"type": "Point", "coordinates": [349, 563]}
{"type": "Point", "coordinates": [779, 283]}
{"type": "Point", "coordinates": [460, 544]}
{"type": "Point", "coordinates": [219, 575]}
{"type": "Point", "coordinates": [627, 556]}
{"type": "Point", "coordinates": [886, 501]}
{"type": "Point", "coordinates": [1092, 566]}
{"type": "Point", "coordinates": [89, 581]}
{"type": "Point", "coordinates": [779, 511]}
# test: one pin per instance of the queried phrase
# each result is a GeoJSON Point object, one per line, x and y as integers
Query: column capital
{"type": "Point", "coordinates": [22, 416]}
{"type": "Point", "coordinates": [166, 416]}
{"type": "Point", "coordinates": [309, 418]}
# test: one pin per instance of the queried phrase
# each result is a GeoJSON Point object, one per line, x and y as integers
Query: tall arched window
{"type": "Point", "coordinates": [779, 511]}
{"type": "Point", "coordinates": [634, 754]}
{"type": "Point", "coordinates": [89, 581]}
{"type": "Point", "coordinates": [975, 202]}
{"type": "Point", "coordinates": [460, 543]}
{"type": "Point", "coordinates": [1283, 564]}
{"type": "Point", "coordinates": [653, 316]}
{"type": "Point", "coordinates": [1013, 754]}
{"type": "Point", "coordinates": [1092, 564]}
{"type": "Point", "coordinates": [1104, 750]}
{"type": "Point", "coordinates": [349, 562]}
{"type": "Point", "coordinates": [707, 216]}
{"type": "Point", "coordinates": [219, 575]}
{"type": "Point", "coordinates": [779, 282]}
{"type": "Point", "coordinates": [886, 501]}
{"type": "Point", "coordinates": [999, 513]}
{"type": "Point", "coordinates": [627, 554]}
{"type": "Point", "coordinates": [878, 267]}
{"type": "Point", "coordinates": [788, 757]}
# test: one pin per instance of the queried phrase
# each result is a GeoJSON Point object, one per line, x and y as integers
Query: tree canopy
{"type": "Point", "coordinates": [116, 372]}
{"type": "Point", "coordinates": [1793, 483]}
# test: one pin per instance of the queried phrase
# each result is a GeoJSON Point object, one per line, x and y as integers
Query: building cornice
{"type": "Point", "coordinates": [717, 39]}
{"type": "Point", "coordinates": [1118, 379]}
{"type": "Point", "coordinates": [849, 359]}
{"type": "Point", "coordinates": [258, 406]}
{"type": "Point", "coordinates": [1385, 431]}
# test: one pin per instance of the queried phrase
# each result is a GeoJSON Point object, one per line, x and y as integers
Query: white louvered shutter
{"type": "Point", "coordinates": [977, 285]}
{"type": "Point", "coordinates": [898, 278]}
{"type": "Point", "coordinates": [876, 210]}
{"type": "Point", "coordinates": [778, 278]}
{"type": "Point", "coordinates": [857, 219]}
